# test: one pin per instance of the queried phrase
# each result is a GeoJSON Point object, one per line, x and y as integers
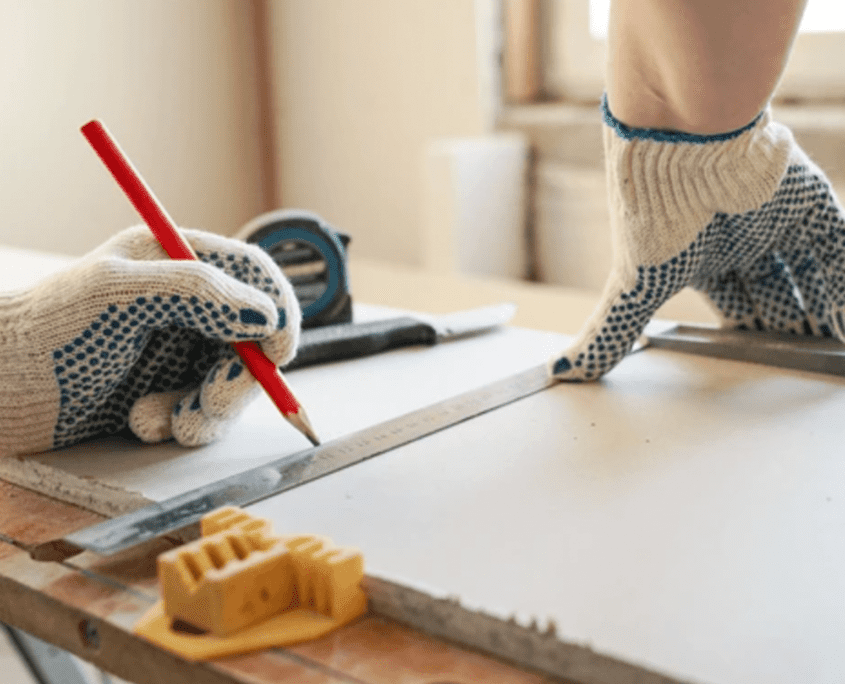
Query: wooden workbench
{"type": "Point", "coordinates": [88, 605]}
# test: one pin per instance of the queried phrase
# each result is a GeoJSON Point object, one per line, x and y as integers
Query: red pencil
{"type": "Point", "coordinates": [165, 230]}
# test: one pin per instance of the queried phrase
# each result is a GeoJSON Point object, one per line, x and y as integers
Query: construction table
{"type": "Point", "coordinates": [88, 604]}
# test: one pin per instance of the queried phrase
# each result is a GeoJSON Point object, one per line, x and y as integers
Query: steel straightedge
{"type": "Point", "coordinates": [291, 471]}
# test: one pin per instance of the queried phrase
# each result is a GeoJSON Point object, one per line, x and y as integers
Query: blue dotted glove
{"type": "Point", "coordinates": [127, 336]}
{"type": "Point", "coordinates": [744, 217]}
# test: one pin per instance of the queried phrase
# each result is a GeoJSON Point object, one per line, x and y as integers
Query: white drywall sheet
{"type": "Point", "coordinates": [684, 515]}
{"type": "Point", "coordinates": [340, 398]}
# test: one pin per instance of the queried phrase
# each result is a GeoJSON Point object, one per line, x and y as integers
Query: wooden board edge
{"type": "Point", "coordinates": [92, 495]}
{"type": "Point", "coordinates": [530, 647]}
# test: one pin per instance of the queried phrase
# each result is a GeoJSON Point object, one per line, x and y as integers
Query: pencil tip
{"type": "Point", "coordinates": [300, 421]}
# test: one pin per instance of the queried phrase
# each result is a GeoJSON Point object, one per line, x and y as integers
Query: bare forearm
{"type": "Point", "coordinates": [700, 66]}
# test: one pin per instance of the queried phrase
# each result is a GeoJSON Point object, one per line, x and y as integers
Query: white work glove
{"type": "Point", "coordinates": [744, 217]}
{"type": "Point", "coordinates": [127, 336]}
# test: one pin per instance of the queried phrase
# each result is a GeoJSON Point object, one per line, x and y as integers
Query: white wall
{"type": "Point", "coordinates": [360, 90]}
{"type": "Point", "coordinates": [362, 87]}
{"type": "Point", "coordinates": [174, 80]}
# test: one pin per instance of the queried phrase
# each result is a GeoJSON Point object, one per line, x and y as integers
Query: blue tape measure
{"type": "Point", "coordinates": [312, 255]}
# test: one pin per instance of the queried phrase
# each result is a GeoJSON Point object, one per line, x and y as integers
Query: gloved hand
{"type": "Point", "coordinates": [127, 336]}
{"type": "Point", "coordinates": [744, 217]}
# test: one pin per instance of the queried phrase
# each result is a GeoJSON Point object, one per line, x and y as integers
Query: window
{"type": "Point", "coordinates": [824, 16]}
{"type": "Point", "coordinates": [821, 16]}
{"type": "Point", "coordinates": [569, 216]}
{"type": "Point", "coordinates": [573, 33]}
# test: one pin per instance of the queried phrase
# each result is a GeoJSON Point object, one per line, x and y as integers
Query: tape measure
{"type": "Point", "coordinates": [312, 255]}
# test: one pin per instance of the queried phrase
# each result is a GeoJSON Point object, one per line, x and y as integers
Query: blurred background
{"type": "Point", "coordinates": [456, 135]}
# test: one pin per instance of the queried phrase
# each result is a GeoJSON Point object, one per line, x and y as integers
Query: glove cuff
{"type": "Point", "coordinates": [28, 406]}
{"type": "Point", "coordinates": [664, 187]}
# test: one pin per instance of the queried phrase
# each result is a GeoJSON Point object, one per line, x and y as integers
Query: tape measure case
{"type": "Point", "coordinates": [312, 254]}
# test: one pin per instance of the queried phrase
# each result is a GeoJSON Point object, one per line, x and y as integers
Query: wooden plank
{"type": "Point", "coordinates": [33, 519]}
{"type": "Point", "coordinates": [89, 605]}
{"type": "Point", "coordinates": [377, 651]}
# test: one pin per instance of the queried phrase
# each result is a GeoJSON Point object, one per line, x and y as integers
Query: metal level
{"type": "Point", "coordinates": [798, 352]}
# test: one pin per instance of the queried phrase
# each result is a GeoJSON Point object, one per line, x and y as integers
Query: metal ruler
{"type": "Point", "coordinates": [813, 354]}
{"type": "Point", "coordinates": [291, 471]}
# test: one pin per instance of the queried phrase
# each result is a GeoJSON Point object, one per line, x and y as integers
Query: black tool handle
{"type": "Point", "coordinates": [352, 340]}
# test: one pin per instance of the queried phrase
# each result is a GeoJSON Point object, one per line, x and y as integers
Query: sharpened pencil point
{"type": "Point", "coordinates": [300, 421]}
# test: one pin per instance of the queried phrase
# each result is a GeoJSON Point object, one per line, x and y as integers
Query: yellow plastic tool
{"type": "Point", "coordinates": [241, 588]}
